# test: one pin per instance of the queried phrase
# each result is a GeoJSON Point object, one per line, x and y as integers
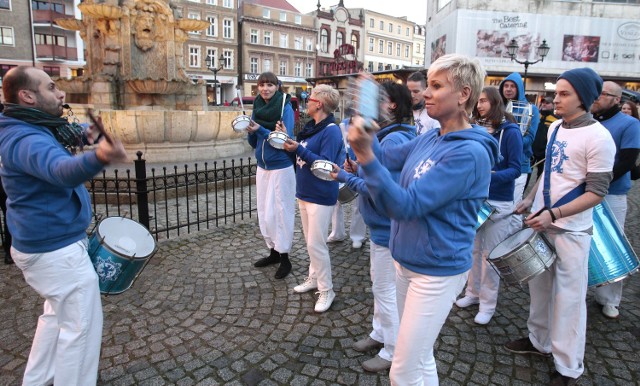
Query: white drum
{"type": "Point", "coordinates": [277, 139]}
{"type": "Point", "coordinates": [240, 123]}
{"type": "Point", "coordinates": [321, 169]}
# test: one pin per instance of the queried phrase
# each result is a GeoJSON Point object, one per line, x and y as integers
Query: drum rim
{"type": "Point", "coordinates": [110, 249]}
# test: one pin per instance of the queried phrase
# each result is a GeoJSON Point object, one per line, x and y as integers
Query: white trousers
{"type": "Point", "coordinates": [518, 191]}
{"type": "Point", "coordinates": [66, 345]}
{"type": "Point", "coordinates": [611, 294]}
{"type": "Point", "coordinates": [558, 312]}
{"type": "Point", "coordinates": [275, 199]}
{"type": "Point", "coordinates": [385, 308]}
{"type": "Point", "coordinates": [423, 304]}
{"type": "Point", "coordinates": [315, 225]}
{"type": "Point", "coordinates": [357, 228]}
{"type": "Point", "coordinates": [484, 281]}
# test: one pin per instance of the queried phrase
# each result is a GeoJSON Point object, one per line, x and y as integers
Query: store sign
{"type": "Point", "coordinates": [344, 61]}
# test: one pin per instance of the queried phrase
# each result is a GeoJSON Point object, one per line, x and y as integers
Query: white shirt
{"type": "Point", "coordinates": [424, 122]}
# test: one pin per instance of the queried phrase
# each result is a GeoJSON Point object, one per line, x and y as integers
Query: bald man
{"type": "Point", "coordinates": [625, 131]}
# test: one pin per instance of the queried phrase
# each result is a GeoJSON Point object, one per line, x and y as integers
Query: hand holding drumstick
{"type": "Point", "coordinates": [109, 150]}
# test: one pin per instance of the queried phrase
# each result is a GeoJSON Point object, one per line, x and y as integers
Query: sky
{"type": "Point", "coordinates": [415, 10]}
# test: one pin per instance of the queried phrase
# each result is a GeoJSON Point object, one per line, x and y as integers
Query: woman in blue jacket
{"type": "Point", "coordinates": [275, 177]}
{"type": "Point", "coordinates": [484, 281]}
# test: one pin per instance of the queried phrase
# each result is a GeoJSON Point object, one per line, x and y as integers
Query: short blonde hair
{"type": "Point", "coordinates": [329, 95]}
{"type": "Point", "coordinates": [462, 71]}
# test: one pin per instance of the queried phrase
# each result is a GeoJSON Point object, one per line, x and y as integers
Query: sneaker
{"type": "Point", "coordinates": [483, 317]}
{"type": "Point", "coordinates": [308, 285]}
{"type": "Point", "coordinates": [367, 344]}
{"type": "Point", "coordinates": [558, 379]}
{"type": "Point", "coordinates": [524, 346]}
{"type": "Point", "coordinates": [467, 301]}
{"type": "Point", "coordinates": [376, 364]}
{"type": "Point", "coordinates": [610, 312]}
{"type": "Point", "coordinates": [357, 245]}
{"type": "Point", "coordinates": [324, 300]}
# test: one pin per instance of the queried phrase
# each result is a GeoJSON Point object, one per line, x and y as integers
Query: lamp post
{"type": "Point", "coordinates": [512, 49]}
{"type": "Point", "coordinates": [211, 66]}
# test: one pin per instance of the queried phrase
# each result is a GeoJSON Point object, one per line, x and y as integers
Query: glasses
{"type": "Point", "coordinates": [314, 100]}
{"type": "Point", "coordinates": [609, 95]}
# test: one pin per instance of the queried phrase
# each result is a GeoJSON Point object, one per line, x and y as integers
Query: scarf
{"type": "Point", "coordinates": [268, 114]}
{"type": "Point", "coordinates": [311, 128]}
{"type": "Point", "coordinates": [604, 115]}
{"type": "Point", "coordinates": [67, 134]}
{"type": "Point", "coordinates": [585, 119]}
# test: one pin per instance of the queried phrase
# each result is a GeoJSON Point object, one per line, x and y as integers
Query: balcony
{"type": "Point", "coordinates": [46, 51]}
{"type": "Point", "coordinates": [48, 16]}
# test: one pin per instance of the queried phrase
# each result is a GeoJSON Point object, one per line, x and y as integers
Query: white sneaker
{"type": "Point", "coordinates": [483, 317]}
{"type": "Point", "coordinates": [356, 245]}
{"type": "Point", "coordinates": [308, 285]}
{"type": "Point", "coordinates": [467, 301]}
{"type": "Point", "coordinates": [324, 300]}
{"type": "Point", "coordinates": [610, 312]}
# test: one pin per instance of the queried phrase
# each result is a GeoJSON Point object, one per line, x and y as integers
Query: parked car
{"type": "Point", "coordinates": [633, 96]}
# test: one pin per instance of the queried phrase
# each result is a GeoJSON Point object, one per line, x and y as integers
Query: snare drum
{"type": "Point", "coordinates": [119, 249]}
{"type": "Point", "coordinates": [240, 123]}
{"type": "Point", "coordinates": [277, 139]}
{"type": "Point", "coordinates": [485, 212]}
{"type": "Point", "coordinates": [345, 194]}
{"type": "Point", "coordinates": [321, 169]}
{"type": "Point", "coordinates": [611, 257]}
{"type": "Point", "coordinates": [522, 256]}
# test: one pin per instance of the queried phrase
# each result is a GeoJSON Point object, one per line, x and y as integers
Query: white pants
{"type": "Point", "coordinates": [385, 308]}
{"type": "Point", "coordinates": [275, 199]}
{"type": "Point", "coordinates": [518, 191]}
{"type": "Point", "coordinates": [357, 228]}
{"type": "Point", "coordinates": [315, 225]}
{"type": "Point", "coordinates": [558, 312]}
{"type": "Point", "coordinates": [66, 345]}
{"type": "Point", "coordinates": [611, 294]}
{"type": "Point", "coordinates": [484, 281]}
{"type": "Point", "coordinates": [423, 304]}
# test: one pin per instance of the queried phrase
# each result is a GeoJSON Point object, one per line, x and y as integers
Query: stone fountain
{"type": "Point", "coordinates": [135, 79]}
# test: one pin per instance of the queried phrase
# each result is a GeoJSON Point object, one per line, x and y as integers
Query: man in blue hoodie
{"type": "Point", "coordinates": [48, 212]}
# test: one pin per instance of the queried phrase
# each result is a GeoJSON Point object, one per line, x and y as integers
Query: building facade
{"type": "Point", "coordinates": [419, 44]}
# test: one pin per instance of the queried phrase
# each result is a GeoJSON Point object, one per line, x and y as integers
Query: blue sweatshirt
{"type": "Point", "coordinates": [507, 170]}
{"type": "Point", "coordinates": [326, 144]}
{"type": "Point", "coordinates": [267, 156]}
{"type": "Point", "coordinates": [48, 206]}
{"type": "Point", "coordinates": [527, 139]}
{"type": "Point", "coordinates": [625, 131]}
{"type": "Point", "coordinates": [434, 208]}
{"type": "Point", "coordinates": [379, 223]}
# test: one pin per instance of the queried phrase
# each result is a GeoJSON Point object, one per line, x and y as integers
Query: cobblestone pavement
{"type": "Point", "coordinates": [201, 314]}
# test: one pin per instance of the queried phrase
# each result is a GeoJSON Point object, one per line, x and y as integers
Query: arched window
{"type": "Point", "coordinates": [324, 40]}
{"type": "Point", "coordinates": [339, 38]}
{"type": "Point", "coordinates": [355, 43]}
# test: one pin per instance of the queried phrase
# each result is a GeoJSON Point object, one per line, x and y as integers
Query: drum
{"type": "Point", "coordinates": [345, 194]}
{"type": "Point", "coordinates": [522, 112]}
{"type": "Point", "coordinates": [240, 123]}
{"type": "Point", "coordinates": [522, 256]}
{"type": "Point", "coordinates": [277, 139]}
{"type": "Point", "coordinates": [321, 169]}
{"type": "Point", "coordinates": [486, 210]}
{"type": "Point", "coordinates": [119, 249]}
{"type": "Point", "coordinates": [611, 257]}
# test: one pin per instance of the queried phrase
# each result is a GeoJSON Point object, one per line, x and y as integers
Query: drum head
{"type": "Point", "coordinates": [126, 237]}
{"type": "Point", "coordinates": [241, 123]}
{"type": "Point", "coordinates": [277, 139]}
{"type": "Point", "coordinates": [511, 243]}
{"type": "Point", "coordinates": [322, 169]}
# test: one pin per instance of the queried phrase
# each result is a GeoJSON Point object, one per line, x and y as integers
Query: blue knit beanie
{"type": "Point", "coordinates": [586, 82]}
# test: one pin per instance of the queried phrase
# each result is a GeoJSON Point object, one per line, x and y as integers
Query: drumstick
{"type": "Point", "coordinates": [100, 127]}
{"type": "Point", "coordinates": [537, 163]}
{"type": "Point", "coordinates": [284, 101]}
{"type": "Point", "coordinates": [241, 103]}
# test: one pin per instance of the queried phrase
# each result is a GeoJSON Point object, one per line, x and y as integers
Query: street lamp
{"type": "Point", "coordinates": [210, 65]}
{"type": "Point", "coordinates": [512, 49]}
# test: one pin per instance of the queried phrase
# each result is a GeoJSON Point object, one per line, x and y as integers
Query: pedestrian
{"type": "Point", "coordinates": [578, 168]}
{"type": "Point", "coordinates": [444, 179]}
{"type": "Point", "coordinates": [319, 140]}
{"type": "Point", "coordinates": [416, 83]}
{"type": "Point", "coordinates": [630, 108]}
{"type": "Point", "coordinates": [275, 177]}
{"type": "Point", "coordinates": [45, 186]}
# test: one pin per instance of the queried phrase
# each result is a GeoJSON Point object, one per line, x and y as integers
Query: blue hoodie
{"type": "Point", "coordinates": [48, 206]}
{"type": "Point", "coordinates": [267, 156]}
{"type": "Point", "coordinates": [379, 223]}
{"type": "Point", "coordinates": [507, 170]}
{"type": "Point", "coordinates": [434, 208]}
{"type": "Point", "coordinates": [527, 139]}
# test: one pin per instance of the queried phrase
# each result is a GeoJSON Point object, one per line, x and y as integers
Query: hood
{"type": "Point", "coordinates": [517, 79]}
{"type": "Point", "coordinates": [480, 135]}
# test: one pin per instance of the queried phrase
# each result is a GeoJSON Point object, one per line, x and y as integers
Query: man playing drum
{"type": "Point", "coordinates": [576, 177]}
{"type": "Point", "coordinates": [48, 212]}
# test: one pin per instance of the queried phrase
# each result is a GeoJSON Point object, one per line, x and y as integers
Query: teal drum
{"type": "Point", "coordinates": [611, 257]}
{"type": "Point", "coordinates": [119, 249]}
{"type": "Point", "coordinates": [485, 212]}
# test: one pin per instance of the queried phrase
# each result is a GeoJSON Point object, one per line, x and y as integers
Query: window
{"type": "Point", "coordinates": [370, 67]}
{"type": "Point", "coordinates": [227, 29]}
{"type": "Point", "coordinates": [297, 71]}
{"type": "Point", "coordinates": [266, 65]}
{"type": "Point", "coordinates": [298, 19]}
{"type": "Point", "coordinates": [381, 25]}
{"type": "Point", "coordinates": [381, 46]}
{"type": "Point", "coordinates": [309, 44]}
{"type": "Point", "coordinates": [253, 36]}
{"type": "Point", "coordinates": [266, 13]}
{"type": "Point", "coordinates": [354, 42]}
{"type": "Point", "coordinates": [399, 30]}
{"type": "Point", "coordinates": [196, 16]}
{"type": "Point", "coordinates": [389, 48]}
{"type": "Point", "coordinates": [380, 67]}
{"type": "Point", "coordinates": [194, 56]}
{"type": "Point", "coordinates": [407, 31]}
{"type": "Point", "coordinates": [398, 49]}
{"type": "Point", "coordinates": [6, 36]}
{"type": "Point", "coordinates": [253, 65]}
{"type": "Point", "coordinates": [372, 23]}
{"type": "Point", "coordinates": [339, 38]}
{"type": "Point", "coordinates": [283, 16]}
{"type": "Point", "coordinates": [212, 2]}
{"type": "Point", "coordinates": [284, 40]}
{"type": "Point", "coordinates": [309, 72]}
{"type": "Point", "coordinates": [297, 41]}
{"type": "Point", "coordinates": [52, 71]}
{"type": "Point", "coordinates": [212, 30]}
{"type": "Point", "coordinates": [390, 27]}
{"type": "Point", "coordinates": [267, 38]}
{"type": "Point", "coordinates": [283, 67]}
{"type": "Point", "coordinates": [418, 48]}
{"type": "Point", "coordinates": [227, 3]}
{"type": "Point", "coordinates": [49, 39]}
{"type": "Point", "coordinates": [324, 40]}
{"type": "Point", "coordinates": [40, 6]}
{"type": "Point", "coordinates": [371, 42]}
{"type": "Point", "coordinates": [406, 50]}
{"type": "Point", "coordinates": [212, 56]}
{"type": "Point", "coordinates": [228, 59]}
{"type": "Point", "coordinates": [5, 4]}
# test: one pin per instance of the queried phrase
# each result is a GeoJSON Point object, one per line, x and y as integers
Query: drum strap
{"type": "Point", "coordinates": [546, 190]}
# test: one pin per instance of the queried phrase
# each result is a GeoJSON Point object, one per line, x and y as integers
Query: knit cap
{"type": "Point", "coordinates": [586, 82]}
